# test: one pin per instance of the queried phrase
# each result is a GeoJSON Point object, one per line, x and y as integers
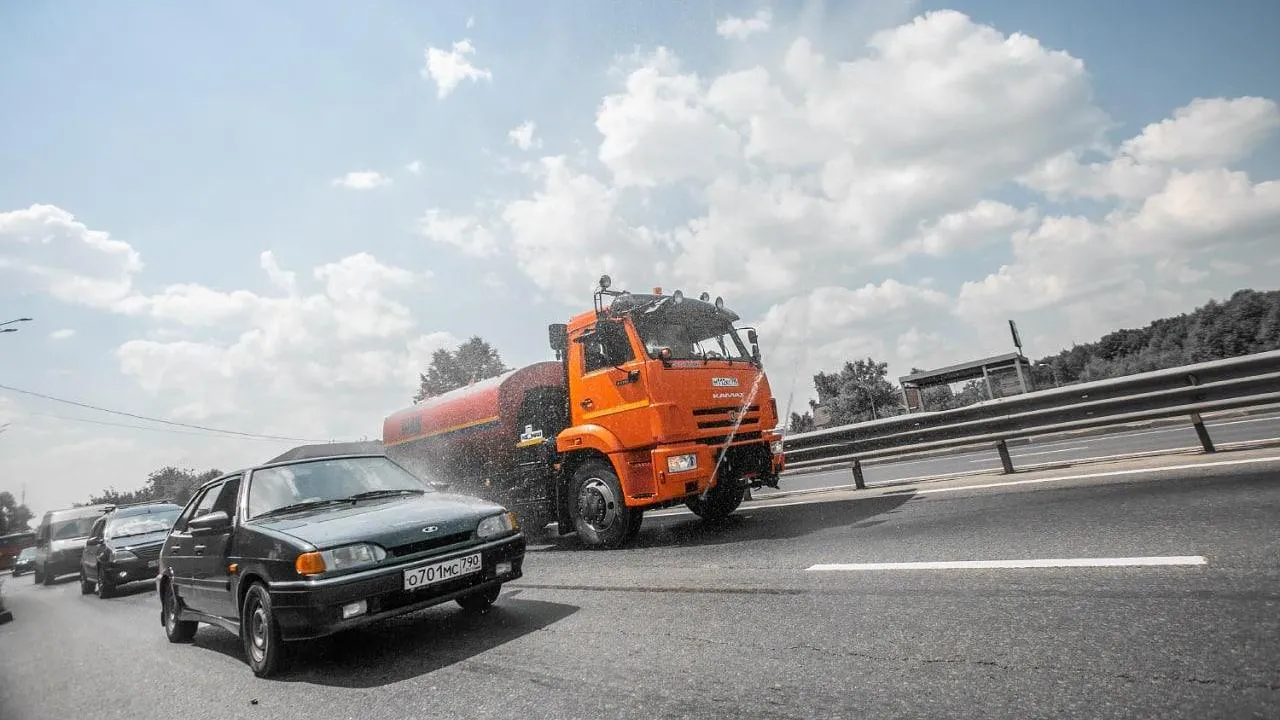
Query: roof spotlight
{"type": "Point", "coordinates": [719, 303]}
{"type": "Point", "coordinates": [605, 282]}
{"type": "Point", "coordinates": [705, 296]}
{"type": "Point", "coordinates": [677, 297]}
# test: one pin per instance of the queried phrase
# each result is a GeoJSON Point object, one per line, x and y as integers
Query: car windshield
{"type": "Point", "coordinates": [317, 481]}
{"type": "Point", "coordinates": [27, 554]}
{"type": "Point", "coordinates": [141, 524]}
{"type": "Point", "coordinates": [692, 340]}
{"type": "Point", "coordinates": [72, 529]}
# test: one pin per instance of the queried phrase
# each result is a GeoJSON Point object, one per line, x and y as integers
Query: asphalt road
{"type": "Point", "coordinates": [1225, 431]}
{"type": "Point", "coordinates": [729, 621]}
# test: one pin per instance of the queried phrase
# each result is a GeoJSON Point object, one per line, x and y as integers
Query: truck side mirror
{"type": "Point", "coordinates": [752, 337]}
{"type": "Point", "coordinates": [558, 335]}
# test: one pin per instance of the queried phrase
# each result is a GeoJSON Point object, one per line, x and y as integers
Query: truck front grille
{"type": "Point", "coordinates": [725, 417]}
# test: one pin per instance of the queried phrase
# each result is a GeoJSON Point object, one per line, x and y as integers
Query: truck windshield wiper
{"type": "Point", "coordinates": [299, 506]}
{"type": "Point", "coordinates": [385, 493]}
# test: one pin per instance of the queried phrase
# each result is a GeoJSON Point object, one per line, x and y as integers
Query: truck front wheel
{"type": "Point", "coordinates": [600, 516]}
{"type": "Point", "coordinates": [719, 502]}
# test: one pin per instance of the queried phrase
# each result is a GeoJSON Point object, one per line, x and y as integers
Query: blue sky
{"type": "Point", "coordinates": [202, 136]}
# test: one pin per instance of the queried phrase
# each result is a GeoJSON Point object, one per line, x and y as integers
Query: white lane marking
{"type": "Point", "coordinates": [1111, 473]}
{"type": "Point", "coordinates": [1033, 454]}
{"type": "Point", "coordinates": [1002, 564]}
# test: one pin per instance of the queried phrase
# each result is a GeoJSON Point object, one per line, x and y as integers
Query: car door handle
{"type": "Point", "coordinates": [199, 549]}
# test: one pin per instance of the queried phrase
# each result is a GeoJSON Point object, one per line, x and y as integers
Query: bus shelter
{"type": "Point", "coordinates": [1003, 375]}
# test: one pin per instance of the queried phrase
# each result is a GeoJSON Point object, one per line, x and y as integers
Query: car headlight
{"type": "Point", "coordinates": [347, 557]}
{"type": "Point", "coordinates": [123, 556]}
{"type": "Point", "coordinates": [776, 447]}
{"type": "Point", "coordinates": [496, 525]}
{"type": "Point", "coordinates": [682, 463]}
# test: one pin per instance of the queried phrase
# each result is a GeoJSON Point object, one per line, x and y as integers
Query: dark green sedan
{"type": "Point", "coordinates": [302, 549]}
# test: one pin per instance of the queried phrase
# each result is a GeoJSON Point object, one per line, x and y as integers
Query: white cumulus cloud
{"type": "Point", "coordinates": [523, 137]}
{"type": "Point", "coordinates": [739, 28]}
{"type": "Point", "coordinates": [448, 68]}
{"type": "Point", "coordinates": [362, 180]}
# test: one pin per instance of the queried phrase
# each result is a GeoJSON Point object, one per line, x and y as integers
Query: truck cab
{"type": "Point", "coordinates": [675, 399]}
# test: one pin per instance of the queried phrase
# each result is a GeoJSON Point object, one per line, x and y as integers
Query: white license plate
{"type": "Point", "coordinates": [439, 572]}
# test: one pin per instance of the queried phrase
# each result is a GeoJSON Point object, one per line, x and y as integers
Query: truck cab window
{"type": "Point", "coordinates": [601, 350]}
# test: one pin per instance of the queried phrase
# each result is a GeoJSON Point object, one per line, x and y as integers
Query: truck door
{"type": "Point", "coordinates": [607, 385]}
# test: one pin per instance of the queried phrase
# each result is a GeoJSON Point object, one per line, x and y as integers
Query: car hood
{"type": "Point", "coordinates": [133, 542]}
{"type": "Point", "coordinates": [390, 522]}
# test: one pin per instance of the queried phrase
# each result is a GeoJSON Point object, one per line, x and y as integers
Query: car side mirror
{"type": "Point", "coordinates": [209, 523]}
{"type": "Point", "coordinates": [93, 541]}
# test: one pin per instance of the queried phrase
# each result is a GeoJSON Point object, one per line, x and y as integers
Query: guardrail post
{"type": "Point", "coordinates": [858, 481]}
{"type": "Point", "coordinates": [1203, 432]}
{"type": "Point", "coordinates": [1005, 460]}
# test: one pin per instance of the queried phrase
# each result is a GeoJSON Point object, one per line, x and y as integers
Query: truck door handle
{"type": "Point", "coordinates": [199, 549]}
{"type": "Point", "coordinates": [586, 404]}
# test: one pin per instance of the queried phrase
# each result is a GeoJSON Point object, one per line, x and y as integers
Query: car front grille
{"type": "Point", "coordinates": [148, 553]}
{"type": "Point", "coordinates": [424, 545]}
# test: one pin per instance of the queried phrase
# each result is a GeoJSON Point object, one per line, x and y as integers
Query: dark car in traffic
{"type": "Point", "coordinates": [60, 541]}
{"type": "Point", "coordinates": [25, 562]}
{"type": "Point", "coordinates": [124, 547]}
{"type": "Point", "coordinates": [305, 548]}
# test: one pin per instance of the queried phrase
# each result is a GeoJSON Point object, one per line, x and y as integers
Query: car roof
{"type": "Point", "coordinates": [147, 509]}
{"type": "Point", "coordinates": [87, 511]}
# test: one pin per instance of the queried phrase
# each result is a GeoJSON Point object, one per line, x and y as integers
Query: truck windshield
{"type": "Point", "coordinates": [693, 341]}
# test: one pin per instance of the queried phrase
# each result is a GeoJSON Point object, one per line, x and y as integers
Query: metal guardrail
{"type": "Point", "coordinates": [1190, 390]}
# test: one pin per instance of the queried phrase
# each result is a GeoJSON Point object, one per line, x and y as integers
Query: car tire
{"type": "Point", "coordinates": [86, 587]}
{"type": "Point", "coordinates": [106, 588]}
{"type": "Point", "coordinates": [719, 502]}
{"type": "Point", "coordinates": [37, 577]}
{"type": "Point", "coordinates": [600, 516]}
{"type": "Point", "coordinates": [178, 631]}
{"type": "Point", "coordinates": [260, 633]}
{"type": "Point", "coordinates": [478, 601]}
{"type": "Point", "coordinates": [47, 578]}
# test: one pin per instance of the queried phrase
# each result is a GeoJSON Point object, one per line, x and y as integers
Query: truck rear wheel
{"type": "Point", "coordinates": [600, 516]}
{"type": "Point", "coordinates": [719, 502]}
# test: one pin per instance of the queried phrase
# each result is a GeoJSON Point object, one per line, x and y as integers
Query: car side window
{"type": "Point", "coordinates": [226, 501]}
{"type": "Point", "coordinates": [199, 506]}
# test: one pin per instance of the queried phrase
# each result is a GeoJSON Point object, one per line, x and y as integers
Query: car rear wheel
{"type": "Point", "coordinates": [481, 600]}
{"type": "Point", "coordinates": [47, 577]}
{"type": "Point", "coordinates": [600, 516]}
{"type": "Point", "coordinates": [37, 577]}
{"type": "Point", "coordinates": [178, 631]}
{"type": "Point", "coordinates": [86, 586]}
{"type": "Point", "coordinates": [260, 632]}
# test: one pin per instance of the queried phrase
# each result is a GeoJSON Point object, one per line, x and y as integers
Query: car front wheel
{"type": "Point", "coordinates": [260, 632]}
{"type": "Point", "coordinates": [178, 631]}
{"type": "Point", "coordinates": [86, 586]}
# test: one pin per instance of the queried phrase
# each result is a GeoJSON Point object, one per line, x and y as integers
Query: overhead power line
{"type": "Point", "coordinates": [130, 426]}
{"type": "Point", "coordinates": [148, 418]}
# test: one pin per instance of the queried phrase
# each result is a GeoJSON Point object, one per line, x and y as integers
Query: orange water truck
{"type": "Point", "coordinates": [653, 400]}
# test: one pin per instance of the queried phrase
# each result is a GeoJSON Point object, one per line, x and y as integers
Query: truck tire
{"type": "Point", "coordinates": [600, 516]}
{"type": "Point", "coordinates": [719, 502]}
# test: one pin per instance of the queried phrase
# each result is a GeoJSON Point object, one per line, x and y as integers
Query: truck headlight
{"type": "Point", "coordinates": [776, 447]}
{"type": "Point", "coordinates": [347, 557]}
{"type": "Point", "coordinates": [682, 463]}
{"type": "Point", "coordinates": [496, 525]}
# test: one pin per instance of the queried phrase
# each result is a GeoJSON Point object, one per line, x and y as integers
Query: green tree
{"type": "Point", "coordinates": [13, 517]}
{"type": "Point", "coordinates": [168, 483]}
{"type": "Point", "coordinates": [801, 423]}
{"type": "Point", "coordinates": [470, 362]}
{"type": "Point", "coordinates": [859, 391]}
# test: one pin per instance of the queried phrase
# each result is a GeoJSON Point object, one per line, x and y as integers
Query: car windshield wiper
{"type": "Point", "coordinates": [385, 493]}
{"type": "Point", "coordinates": [144, 532]}
{"type": "Point", "coordinates": [299, 506]}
